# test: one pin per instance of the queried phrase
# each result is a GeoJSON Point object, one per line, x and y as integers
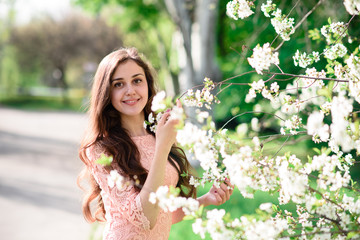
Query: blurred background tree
{"type": "Point", "coordinates": [185, 40]}
{"type": "Point", "coordinates": [8, 67]}
{"type": "Point", "coordinates": [53, 48]}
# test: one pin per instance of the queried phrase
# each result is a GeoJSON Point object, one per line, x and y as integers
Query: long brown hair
{"type": "Point", "coordinates": [106, 134]}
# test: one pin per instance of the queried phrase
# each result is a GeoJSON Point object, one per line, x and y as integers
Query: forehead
{"type": "Point", "coordinates": [127, 70]}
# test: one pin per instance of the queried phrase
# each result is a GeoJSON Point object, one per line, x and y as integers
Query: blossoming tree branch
{"type": "Point", "coordinates": [321, 103]}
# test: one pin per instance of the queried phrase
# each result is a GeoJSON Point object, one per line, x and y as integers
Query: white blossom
{"type": "Point", "coordinates": [267, 207]}
{"type": "Point", "coordinates": [201, 115]}
{"type": "Point", "coordinates": [303, 59]}
{"type": "Point", "coordinates": [335, 51]}
{"type": "Point", "coordinates": [283, 25]}
{"type": "Point", "coordinates": [177, 113]}
{"type": "Point", "coordinates": [293, 184]}
{"type": "Point", "coordinates": [238, 9]}
{"type": "Point", "coordinates": [115, 179]}
{"type": "Point", "coordinates": [275, 87]}
{"type": "Point", "coordinates": [336, 28]}
{"type": "Point", "coordinates": [151, 118]}
{"type": "Point", "coordinates": [158, 101]}
{"type": "Point", "coordinates": [255, 126]}
{"type": "Point", "coordinates": [170, 202]}
{"type": "Point", "coordinates": [353, 62]}
{"type": "Point", "coordinates": [198, 228]}
{"type": "Point", "coordinates": [263, 57]}
{"type": "Point", "coordinates": [352, 6]}
{"type": "Point", "coordinates": [316, 127]}
{"type": "Point", "coordinates": [341, 108]}
{"type": "Point", "coordinates": [267, 7]}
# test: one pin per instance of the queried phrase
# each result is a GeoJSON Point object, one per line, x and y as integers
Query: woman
{"type": "Point", "coordinates": [122, 93]}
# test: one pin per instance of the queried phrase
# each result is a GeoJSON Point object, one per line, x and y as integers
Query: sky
{"type": "Point", "coordinates": [27, 9]}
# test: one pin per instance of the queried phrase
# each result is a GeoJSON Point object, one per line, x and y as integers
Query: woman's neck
{"type": "Point", "coordinates": [134, 125]}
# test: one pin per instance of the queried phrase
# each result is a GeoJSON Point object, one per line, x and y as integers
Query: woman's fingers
{"type": "Point", "coordinates": [220, 194]}
{"type": "Point", "coordinates": [178, 103]}
{"type": "Point", "coordinates": [163, 118]}
{"type": "Point", "coordinates": [226, 191]}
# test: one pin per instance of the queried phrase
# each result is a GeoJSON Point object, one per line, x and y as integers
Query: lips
{"type": "Point", "coordinates": [131, 101]}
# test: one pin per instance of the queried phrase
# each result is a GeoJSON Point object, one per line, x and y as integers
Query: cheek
{"type": "Point", "coordinates": [114, 96]}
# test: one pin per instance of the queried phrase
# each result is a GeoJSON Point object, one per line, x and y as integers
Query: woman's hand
{"type": "Point", "coordinates": [166, 131]}
{"type": "Point", "coordinates": [217, 196]}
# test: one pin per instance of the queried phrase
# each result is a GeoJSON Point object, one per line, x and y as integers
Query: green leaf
{"type": "Point", "coordinates": [317, 151]}
{"type": "Point", "coordinates": [314, 34]}
{"type": "Point", "coordinates": [351, 235]}
{"type": "Point", "coordinates": [309, 229]}
{"type": "Point", "coordinates": [174, 191]}
{"type": "Point", "coordinates": [318, 196]}
{"type": "Point", "coordinates": [329, 20]}
{"type": "Point", "coordinates": [104, 160]}
{"type": "Point", "coordinates": [188, 217]}
{"type": "Point", "coordinates": [199, 212]}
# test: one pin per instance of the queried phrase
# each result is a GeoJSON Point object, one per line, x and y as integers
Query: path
{"type": "Point", "coordinates": [39, 164]}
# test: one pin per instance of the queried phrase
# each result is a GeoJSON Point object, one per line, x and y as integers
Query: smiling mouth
{"type": "Point", "coordinates": [131, 102]}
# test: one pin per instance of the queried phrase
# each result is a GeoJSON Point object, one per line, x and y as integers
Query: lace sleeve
{"type": "Point", "coordinates": [125, 201]}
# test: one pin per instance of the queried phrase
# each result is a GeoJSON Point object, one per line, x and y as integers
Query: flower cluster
{"type": "Point", "coordinates": [236, 9]}
{"type": "Point", "coordinates": [152, 121]}
{"type": "Point", "coordinates": [317, 128]}
{"type": "Point", "coordinates": [353, 63]}
{"type": "Point", "coordinates": [159, 104]}
{"type": "Point", "coordinates": [263, 57]}
{"type": "Point", "coordinates": [203, 97]}
{"type": "Point", "coordinates": [291, 125]}
{"type": "Point", "coordinates": [115, 179]}
{"type": "Point", "coordinates": [341, 107]}
{"type": "Point", "coordinates": [304, 60]}
{"type": "Point", "coordinates": [206, 149]}
{"type": "Point", "coordinates": [333, 32]}
{"type": "Point", "coordinates": [259, 87]}
{"type": "Point", "coordinates": [168, 199]}
{"type": "Point", "coordinates": [214, 225]}
{"type": "Point", "coordinates": [283, 25]}
{"type": "Point", "coordinates": [335, 51]}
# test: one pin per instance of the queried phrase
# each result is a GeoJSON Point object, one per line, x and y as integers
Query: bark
{"type": "Point", "coordinates": [196, 21]}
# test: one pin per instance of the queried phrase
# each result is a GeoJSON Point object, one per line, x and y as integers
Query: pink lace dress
{"type": "Point", "coordinates": [124, 215]}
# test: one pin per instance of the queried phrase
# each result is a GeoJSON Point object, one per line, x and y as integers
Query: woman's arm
{"type": "Point", "coordinates": [165, 138]}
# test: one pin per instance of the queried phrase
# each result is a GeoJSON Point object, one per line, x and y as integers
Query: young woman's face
{"type": "Point", "coordinates": [129, 89]}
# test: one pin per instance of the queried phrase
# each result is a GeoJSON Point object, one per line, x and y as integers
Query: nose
{"type": "Point", "coordinates": [130, 90]}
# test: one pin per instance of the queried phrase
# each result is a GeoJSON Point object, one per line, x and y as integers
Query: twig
{"type": "Point", "coordinates": [301, 21]}
{"type": "Point", "coordinates": [302, 76]}
{"type": "Point", "coordinates": [240, 114]}
{"type": "Point", "coordinates": [282, 145]}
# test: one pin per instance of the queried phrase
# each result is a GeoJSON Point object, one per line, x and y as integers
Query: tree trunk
{"type": "Point", "coordinates": [196, 21]}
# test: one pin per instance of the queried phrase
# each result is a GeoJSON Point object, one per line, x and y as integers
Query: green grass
{"type": "Point", "coordinates": [44, 103]}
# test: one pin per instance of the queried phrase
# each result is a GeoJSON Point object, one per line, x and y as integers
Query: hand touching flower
{"type": "Point", "coordinates": [217, 195]}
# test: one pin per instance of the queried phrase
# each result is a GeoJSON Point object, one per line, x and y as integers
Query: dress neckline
{"type": "Point", "coordinates": [143, 136]}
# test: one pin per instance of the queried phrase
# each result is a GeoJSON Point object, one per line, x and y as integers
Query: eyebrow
{"type": "Point", "coordinates": [133, 76]}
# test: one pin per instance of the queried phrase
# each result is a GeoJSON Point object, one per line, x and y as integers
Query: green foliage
{"type": "Point", "coordinates": [9, 73]}
{"type": "Point", "coordinates": [104, 160]}
{"type": "Point", "coordinates": [236, 38]}
{"type": "Point", "coordinates": [44, 103]}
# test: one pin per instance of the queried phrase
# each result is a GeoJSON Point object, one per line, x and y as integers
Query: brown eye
{"type": "Point", "coordinates": [118, 84]}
